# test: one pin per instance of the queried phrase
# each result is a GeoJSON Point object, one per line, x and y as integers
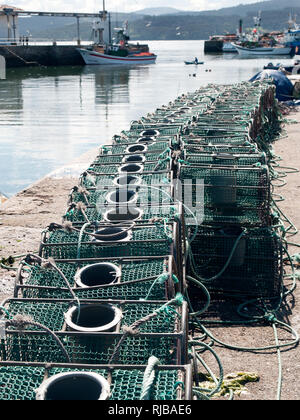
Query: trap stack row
{"type": "Point", "coordinates": [226, 179]}
{"type": "Point", "coordinates": [100, 312]}
{"type": "Point", "coordinates": [102, 302]}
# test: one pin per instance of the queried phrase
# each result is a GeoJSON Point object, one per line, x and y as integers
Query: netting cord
{"type": "Point", "coordinates": [22, 321]}
{"type": "Point", "coordinates": [218, 382]}
{"type": "Point", "coordinates": [191, 258]}
{"type": "Point", "coordinates": [50, 263]}
{"type": "Point", "coordinates": [149, 378]}
{"type": "Point", "coordinates": [133, 329]}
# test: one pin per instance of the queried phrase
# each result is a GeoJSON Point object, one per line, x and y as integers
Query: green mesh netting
{"type": "Point", "coordinates": [51, 315]}
{"type": "Point", "coordinates": [255, 268]}
{"type": "Point", "coordinates": [20, 382]}
{"type": "Point", "coordinates": [87, 349]}
{"type": "Point", "coordinates": [138, 280]}
{"type": "Point", "coordinates": [156, 179]}
{"type": "Point", "coordinates": [145, 241]}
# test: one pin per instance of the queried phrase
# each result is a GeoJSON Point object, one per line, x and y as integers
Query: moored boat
{"type": "Point", "coordinates": [263, 51]}
{"type": "Point", "coordinates": [120, 53]}
{"type": "Point", "coordinates": [229, 47]}
{"type": "Point", "coordinates": [92, 57]}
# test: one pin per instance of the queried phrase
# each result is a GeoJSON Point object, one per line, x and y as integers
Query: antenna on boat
{"type": "Point", "coordinates": [104, 16]}
{"type": "Point", "coordinates": [292, 22]}
{"type": "Point", "coordinates": [257, 20]}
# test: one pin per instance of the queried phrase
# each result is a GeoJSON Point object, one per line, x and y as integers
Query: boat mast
{"type": "Point", "coordinates": [257, 24]}
{"type": "Point", "coordinates": [109, 28]}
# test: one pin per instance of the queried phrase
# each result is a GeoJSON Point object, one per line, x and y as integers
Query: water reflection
{"type": "Point", "coordinates": [49, 116]}
{"type": "Point", "coordinates": [111, 84]}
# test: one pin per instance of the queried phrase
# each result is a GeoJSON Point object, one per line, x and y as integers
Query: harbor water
{"type": "Point", "coordinates": [50, 116]}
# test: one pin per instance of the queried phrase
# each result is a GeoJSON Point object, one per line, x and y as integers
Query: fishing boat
{"type": "Point", "coordinates": [121, 52]}
{"type": "Point", "coordinates": [292, 35]}
{"type": "Point", "coordinates": [263, 50]}
{"type": "Point", "coordinates": [229, 47]}
{"type": "Point", "coordinates": [93, 57]}
{"type": "Point", "coordinates": [257, 43]}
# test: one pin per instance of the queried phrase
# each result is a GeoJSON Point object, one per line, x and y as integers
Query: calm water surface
{"type": "Point", "coordinates": [50, 116]}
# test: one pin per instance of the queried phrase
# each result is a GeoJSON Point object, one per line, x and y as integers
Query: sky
{"type": "Point", "coordinates": [120, 5]}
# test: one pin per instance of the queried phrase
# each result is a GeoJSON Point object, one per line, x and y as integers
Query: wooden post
{"type": "Point", "coordinates": [8, 27]}
{"type": "Point", "coordinates": [2, 72]}
{"type": "Point", "coordinates": [14, 28]}
{"type": "Point", "coordinates": [109, 26]}
{"type": "Point", "coordinates": [78, 31]}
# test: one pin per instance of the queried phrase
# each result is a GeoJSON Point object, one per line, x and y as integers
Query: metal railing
{"type": "Point", "coordinates": [40, 41]}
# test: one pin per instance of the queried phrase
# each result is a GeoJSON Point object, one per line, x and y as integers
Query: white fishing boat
{"type": "Point", "coordinates": [263, 51]}
{"type": "Point", "coordinates": [229, 47]}
{"type": "Point", "coordinates": [92, 57]}
{"type": "Point", "coordinates": [120, 52]}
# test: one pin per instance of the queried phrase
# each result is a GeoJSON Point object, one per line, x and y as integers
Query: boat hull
{"type": "Point", "coordinates": [95, 58]}
{"type": "Point", "coordinates": [243, 51]}
{"type": "Point", "coordinates": [228, 47]}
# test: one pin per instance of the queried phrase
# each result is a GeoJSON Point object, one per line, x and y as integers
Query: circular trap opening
{"type": "Point", "coordinates": [123, 196]}
{"type": "Point", "coordinates": [131, 168]}
{"type": "Point", "coordinates": [126, 214]}
{"type": "Point", "coordinates": [128, 180]}
{"type": "Point", "coordinates": [134, 158]}
{"type": "Point", "coordinates": [74, 386]}
{"type": "Point", "coordinates": [112, 234]}
{"type": "Point", "coordinates": [137, 148]}
{"type": "Point", "coordinates": [93, 318]}
{"type": "Point", "coordinates": [146, 140]}
{"type": "Point", "coordinates": [150, 132]}
{"type": "Point", "coordinates": [97, 275]}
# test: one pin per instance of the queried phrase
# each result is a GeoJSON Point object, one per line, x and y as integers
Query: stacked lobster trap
{"type": "Point", "coordinates": [225, 174]}
{"type": "Point", "coordinates": [101, 306]}
{"type": "Point", "coordinates": [100, 312]}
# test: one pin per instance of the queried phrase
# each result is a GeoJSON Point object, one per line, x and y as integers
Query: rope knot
{"type": "Point", "coordinates": [270, 317]}
{"type": "Point", "coordinates": [80, 206]}
{"type": "Point", "coordinates": [83, 191]}
{"type": "Point", "coordinates": [48, 264]}
{"type": "Point", "coordinates": [130, 331]}
{"type": "Point", "coordinates": [68, 227]}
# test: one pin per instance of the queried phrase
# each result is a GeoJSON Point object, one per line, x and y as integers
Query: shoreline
{"type": "Point", "coordinates": [26, 214]}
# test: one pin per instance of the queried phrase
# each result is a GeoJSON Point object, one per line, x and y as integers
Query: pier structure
{"type": "Point", "coordinates": [9, 19]}
{"type": "Point", "coordinates": [19, 51]}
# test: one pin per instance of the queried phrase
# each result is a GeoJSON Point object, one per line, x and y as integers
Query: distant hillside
{"type": "Point", "coordinates": [244, 9]}
{"type": "Point", "coordinates": [179, 25]}
{"type": "Point", "coordinates": [158, 11]}
{"type": "Point", "coordinates": [203, 26]}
